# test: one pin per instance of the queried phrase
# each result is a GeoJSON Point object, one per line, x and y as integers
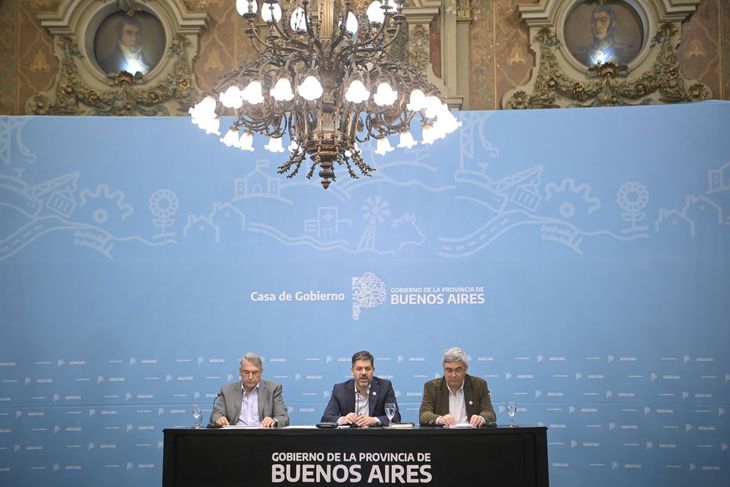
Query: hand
{"type": "Point", "coordinates": [268, 422]}
{"type": "Point", "coordinates": [350, 418]}
{"type": "Point", "coordinates": [365, 421]}
{"type": "Point", "coordinates": [447, 420]}
{"type": "Point", "coordinates": [223, 421]}
{"type": "Point", "coordinates": [477, 421]}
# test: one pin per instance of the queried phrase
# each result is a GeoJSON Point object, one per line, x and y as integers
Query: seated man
{"type": "Point", "coordinates": [250, 401]}
{"type": "Point", "coordinates": [456, 397]}
{"type": "Point", "coordinates": [361, 400]}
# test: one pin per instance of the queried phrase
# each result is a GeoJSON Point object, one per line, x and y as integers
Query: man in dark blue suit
{"type": "Point", "coordinates": [361, 400]}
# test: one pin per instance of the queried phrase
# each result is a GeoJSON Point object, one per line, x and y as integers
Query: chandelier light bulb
{"type": "Point", "coordinates": [385, 95]}
{"type": "Point", "coordinates": [232, 97]}
{"type": "Point", "coordinates": [271, 12]}
{"type": "Point", "coordinates": [252, 93]}
{"type": "Point", "coordinates": [282, 90]}
{"type": "Point", "coordinates": [246, 6]}
{"type": "Point", "coordinates": [356, 92]}
{"type": "Point", "coordinates": [417, 101]}
{"type": "Point", "coordinates": [447, 121]}
{"type": "Point", "coordinates": [375, 13]}
{"type": "Point", "coordinates": [429, 135]}
{"type": "Point", "coordinates": [275, 145]}
{"type": "Point", "coordinates": [231, 138]}
{"type": "Point", "coordinates": [246, 142]}
{"type": "Point", "coordinates": [310, 89]}
{"type": "Point", "coordinates": [406, 140]}
{"type": "Point", "coordinates": [433, 105]}
{"type": "Point", "coordinates": [351, 24]}
{"type": "Point", "coordinates": [203, 111]}
{"type": "Point", "coordinates": [383, 146]}
{"type": "Point", "coordinates": [298, 21]}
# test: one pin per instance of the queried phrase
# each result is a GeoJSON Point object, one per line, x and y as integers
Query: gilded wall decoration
{"type": "Point", "coordinates": [616, 68]}
{"type": "Point", "coordinates": [500, 55]}
{"type": "Point", "coordinates": [118, 58]}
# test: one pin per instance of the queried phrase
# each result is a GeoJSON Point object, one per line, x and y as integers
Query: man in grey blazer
{"type": "Point", "coordinates": [250, 401]}
{"type": "Point", "coordinates": [456, 397]}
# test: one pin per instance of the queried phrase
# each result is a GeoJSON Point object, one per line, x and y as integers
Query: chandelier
{"type": "Point", "coordinates": [324, 78]}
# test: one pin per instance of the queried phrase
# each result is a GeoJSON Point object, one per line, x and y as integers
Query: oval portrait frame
{"type": "Point", "coordinates": [104, 42]}
{"type": "Point", "coordinates": [627, 37]}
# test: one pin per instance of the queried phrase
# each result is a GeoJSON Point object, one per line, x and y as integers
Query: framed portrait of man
{"type": "Point", "coordinates": [133, 43]}
{"type": "Point", "coordinates": [600, 32]}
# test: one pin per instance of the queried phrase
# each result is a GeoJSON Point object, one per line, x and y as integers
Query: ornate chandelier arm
{"type": "Point", "coordinates": [343, 25]}
{"type": "Point", "coordinates": [292, 44]}
{"type": "Point", "coordinates": [377, 47]}
{"type": "Point", "coordinates": [380, 33]}
{"type": "Point", "coordinates": [314, 38]}
{"type": "Point", "coordinates": [253, 33]}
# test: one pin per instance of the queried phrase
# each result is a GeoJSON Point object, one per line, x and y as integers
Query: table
{"type": "Point", "coordinates": [435, 457]}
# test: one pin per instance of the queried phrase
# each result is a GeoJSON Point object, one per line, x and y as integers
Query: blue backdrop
{"type": "Point", "coordinates": [580, 257]}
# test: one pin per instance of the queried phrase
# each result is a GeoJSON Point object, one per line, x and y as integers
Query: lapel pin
{"type": "Point", "coordinates": [471, 402]}
{"type": "Point", "coordinates": [375, 393]}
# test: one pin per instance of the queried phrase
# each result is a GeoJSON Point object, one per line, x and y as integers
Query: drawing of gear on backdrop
{"type": "Point", "coordinates": [104, 207]}
{"type": "Point", "coordinates": [574, 204]}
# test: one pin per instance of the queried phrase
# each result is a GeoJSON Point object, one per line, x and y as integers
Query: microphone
{"type": "Point", "coordinates": [215, 399]}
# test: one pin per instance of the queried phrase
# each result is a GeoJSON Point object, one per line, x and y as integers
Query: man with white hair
{"type": "Point", "coordinates": [457, 397]}
{"type": "Point", "coordinates": [250, 401]}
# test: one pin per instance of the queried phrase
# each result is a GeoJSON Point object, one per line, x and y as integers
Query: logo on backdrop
{"type": "Point", "coordinates": [368, 291]}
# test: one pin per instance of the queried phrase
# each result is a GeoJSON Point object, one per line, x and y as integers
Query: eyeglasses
{"type": "Point", "coordinates": [250, 372]}
{"type": "Point", "coordinates": [456, 371]}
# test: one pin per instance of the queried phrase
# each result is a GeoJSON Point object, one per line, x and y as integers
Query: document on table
{"type": "Point", "coordinates": [460, 426]}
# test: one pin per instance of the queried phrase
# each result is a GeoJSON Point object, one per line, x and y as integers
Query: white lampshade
{"type": "Point", "coordinates": [243, 6]}
{"type": "Point", "coordinates": [298, 22]}
{"type": "Point", "coordinates": [271, 12]}
{"type": "Point", "coordinates": [429, 135]}
{"type": "Point", "coordinates": [417, 101]}
{"type": "Point", "coordinates": [351, 24]}
{"type": "Point", "coordinates": [252, 93]}
{"type": "Point", "coordinates": [275, 145]}
{"type": "Point", "coordinates": [211, 126]}
{"type": "Point", "coordinates": [375, 13]}
{"type": "Point", "coordinates": [447, 121]}
{"type": "Point", "coordinates": [231, 138]}
{"type": "Point", "coordinates": [246, 142]}
{"type": "Point", "coordinates": [356, 92]}
{"type": "Point", "coordinates": [385, 95]}
{"type": "Point", "coordinates": [282, 90]}
{"type": "Point", "coordinates": [406, 140]}
{"type": "Point", "coordinates": [203, 110]}
{"type": "Point", "coordinates": [232, 97]}
{"type": "Point", "coordinates": [433, 106]}
{"type": "Point", "coordinates": [310, 89]}
{"type": "Point", "coordinates": [383, 146]}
